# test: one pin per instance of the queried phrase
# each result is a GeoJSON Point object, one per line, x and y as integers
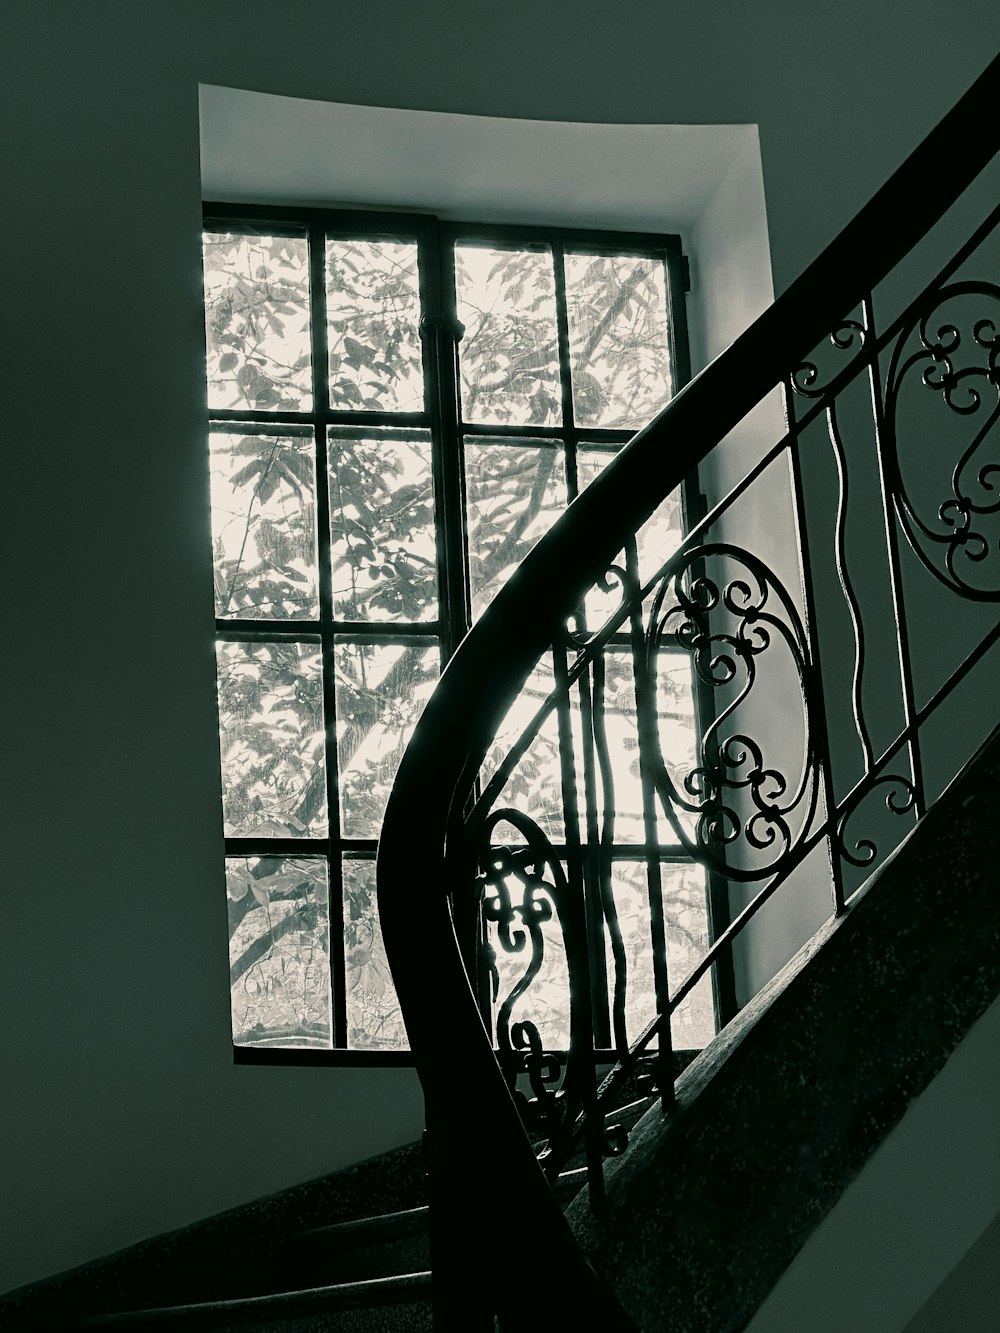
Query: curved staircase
{"type": "Point", "coordinates": [884, 355]}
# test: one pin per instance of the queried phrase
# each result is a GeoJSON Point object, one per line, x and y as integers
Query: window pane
{"type": "Point", "coordinates": [677, 734]}
{"type": "Point", "coordinates": [382, 529]}
{"type": "Point", "coordinates": [509, 356]}
{"type": "Point", "coordinates": [374, 1021]}
{"type": "Point", "coordinates": [658, 538]}
{"type": "Point", "coordinates": [514, 493]}
{"type": "Point", "coordinates": [686, 919]}
{"type": "Point", "coordinates": [381, 689]}
{"type": "Point", "coordinates": [271, 722]}
{"type": "Point", "coordinates": [257, 322]}
{"type": "Point", "coordinates": [373, 309]}
{"type": "Point", "coordinates": [616, 704]}
{"type": "Point", "coordinates": [264, 525]}
{"type": "Point", "coordinates": [279, 950]}
{"type": "Point", "coordinates": [534, 786]}
{"type": "Point", "coordinates": [617, 311]}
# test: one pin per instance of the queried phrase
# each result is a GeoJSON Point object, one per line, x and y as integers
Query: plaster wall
{"type": "Point", "coordinates": [916, 1208]}
{"type": "Point", "coordinates": [123, 1114]}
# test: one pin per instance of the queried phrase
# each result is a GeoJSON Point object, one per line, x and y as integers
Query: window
{"type": "Point", "coordinates": [371, 490]}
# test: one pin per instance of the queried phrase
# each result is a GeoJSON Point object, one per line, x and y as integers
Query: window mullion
{"type": "Point", "coordinates": [565, 370]}
{"type": "Point", "coordinates": [441, 334]}
{"type": "Point", "coordinates": [321, 399]}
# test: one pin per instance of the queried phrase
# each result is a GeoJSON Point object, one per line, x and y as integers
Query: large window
{"type": "Point", "coordinates": [372, 488]}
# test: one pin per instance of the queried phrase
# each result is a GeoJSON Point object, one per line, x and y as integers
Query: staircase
{"type": "Point", "coordinates": [347, 1251]}
{"type": "Point", "coordinates": [350, 1252]}
{"type": "Point", "coordinates": [840, 777]}
{"type": "Point", "coordinates": [842, 635]}
{"type": "Point", "coordinates": [734, 1180]}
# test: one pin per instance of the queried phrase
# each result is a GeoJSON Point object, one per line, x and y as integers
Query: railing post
{"type": "Point", "coordinates": [645, 716]}
{"type": "Point", "coordinates": [816, 707]}
{"type": "Point", "coordinates": [892, 550]}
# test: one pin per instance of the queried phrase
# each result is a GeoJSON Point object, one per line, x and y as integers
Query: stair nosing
{"type": "Point", "coordinates": [381, 1226]}
{"type": "Point", "coordinates": [393, 1290]}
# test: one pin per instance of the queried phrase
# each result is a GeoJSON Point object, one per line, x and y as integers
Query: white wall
{"type": "Point", "coordinates": [123, 1113]}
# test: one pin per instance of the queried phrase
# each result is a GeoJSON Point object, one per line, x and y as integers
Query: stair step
{"type": "Point", "coordinates": [360, 1306]}
{"type": "Point", "coordinates": [573, 1176]}
{"type": "Point", "coordinates": [364, 1230]}
{"type": "Point", "coordinates": [367, 1247]}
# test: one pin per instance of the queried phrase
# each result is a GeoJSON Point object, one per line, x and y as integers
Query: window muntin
{"type": "Point", "coordinates": [369, 498]}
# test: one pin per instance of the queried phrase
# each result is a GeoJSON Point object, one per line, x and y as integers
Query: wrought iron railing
{"type": "Point", "coordinates": [793, 780]}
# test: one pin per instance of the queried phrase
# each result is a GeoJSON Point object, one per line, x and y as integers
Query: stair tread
{"type": "Point", "coordinates": [393, 1290]}
{"type": "Point", "coordinates": [382, 1226]}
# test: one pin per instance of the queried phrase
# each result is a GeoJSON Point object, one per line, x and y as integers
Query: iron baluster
{"type": "Point", "coordinates": [892, 548]}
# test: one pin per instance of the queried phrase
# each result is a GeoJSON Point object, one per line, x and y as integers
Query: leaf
{"type": "Point", "coordinates": [237, 886]}
{"type": "Point", "coordinates": [226, 362]}
{"type": "Point", "coordinates": [344, 388]}
{"type": "Point", "coordinates": [358, 352]}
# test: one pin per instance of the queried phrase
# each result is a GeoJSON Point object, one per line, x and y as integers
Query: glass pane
{"type": "Point", "coordinates": [264, 525]}
{"type": "Point", "coordinates": [677, 733]}
{"type": "Point", "coordinates": [658, 538]}
{"type": "Point", "coordinates": [509, 354]}
{"type": "Point", "coordinates": [257, 322]}
{"type": "Point", "coordinates": [622, 758]}
{"type": "Point", "coordinates": [374, 1021]}
{"type": "Point", "coordinates": [271, 723]}
{"type": "Point", "coordinates": [382, 529]}
{"type": "Point", "coordinates": [535, 784]}
{"type": "Point", "coordinates": [373, 309]}
{"type": "Point", "coordinates": [686, 918]}
{"type": "Point", "coordinates": [514, 493]}
{"type": "Point", "coordinates": [661, 534]}
{"type": "Point", "coordinates": [619, 354]}
{"type": "Point", "coordinates": [279, 950]}
{"type": "Point", "coordinates": [590, 462]}
{"type": "Point", "coordinates": [381, 689]}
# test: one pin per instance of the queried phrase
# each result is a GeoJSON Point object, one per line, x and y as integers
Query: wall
{"type": "Point", "coordinates": [123, 1113]}
{"type": "Point", "coordinates": [916, 1208]}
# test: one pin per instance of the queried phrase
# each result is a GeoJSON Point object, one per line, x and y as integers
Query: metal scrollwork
{"type": "Point", "coordinates": [899, 800]}
{"type": "Point", "coordinates": [746, 816]}
{"type": "Point", "coordinates": [957, 357]}
{"type": "Point", "coordinates": [617, 578]}
{"type": "Point", "coordinates": [544, 1073]}
{"type": "Point", "coordinates": [807, 380]}
{"type": "Point", "coordinates": [534, 865]}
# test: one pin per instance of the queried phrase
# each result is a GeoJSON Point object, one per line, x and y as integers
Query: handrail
{"type": "Point", "coordinates": [415, 888]}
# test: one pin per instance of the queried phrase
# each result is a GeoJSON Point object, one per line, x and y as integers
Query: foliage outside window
{"type": "Point", "coordinates": [371, 491]}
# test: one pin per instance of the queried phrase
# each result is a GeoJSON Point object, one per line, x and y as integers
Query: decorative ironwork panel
{"type": "Point", "coordinates": [733, 810]}
{"type": "Point", "coordinates": [943, 390]}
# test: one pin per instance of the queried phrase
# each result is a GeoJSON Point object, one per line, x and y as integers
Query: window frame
{"type": "Point", "coordinates": [441, 417]}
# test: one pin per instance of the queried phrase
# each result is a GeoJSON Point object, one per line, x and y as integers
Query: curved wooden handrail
{"type": "Point", "coordinates": [471, 1115]}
